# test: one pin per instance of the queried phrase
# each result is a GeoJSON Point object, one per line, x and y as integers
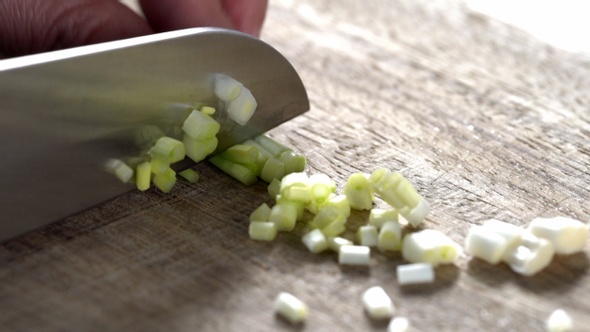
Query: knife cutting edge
{"type": "Point", "coordinates": [63, 114]}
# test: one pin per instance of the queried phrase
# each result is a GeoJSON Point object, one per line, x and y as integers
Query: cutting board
{"type": "Point", "coordinates": [484, 120]}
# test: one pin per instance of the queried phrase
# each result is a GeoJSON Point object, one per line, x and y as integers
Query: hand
{"type": "Point", "coordinates": [33, 26]}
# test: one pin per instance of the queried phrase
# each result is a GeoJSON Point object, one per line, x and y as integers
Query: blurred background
{"type": "Point", "coordinates": [561, 23]}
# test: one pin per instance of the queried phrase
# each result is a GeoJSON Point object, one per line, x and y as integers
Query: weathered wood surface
{"type": "Point", "coordinates": [484, 120]}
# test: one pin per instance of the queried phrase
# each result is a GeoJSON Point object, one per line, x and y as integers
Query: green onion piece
{"type": "Point", "coordinates": [378, 217]}
{"type": "Point", "coordinates": [262, 230]}
{"type": "Point", "coordinates": [263, 154]}
{"type": "Point", "coordinates": [274, 188]}
{"type": "Point", "coordinates": [200, 126]}
{"type": "Point", "coordinates": [207, 110]}
{"type": "Point", "coordinates": [158, 166]}
{"type": "Point", "coordinates": [190, 175]}
{"type": "Point", "coordinates": [261, 213]}
{"type": "Point", "coordinates": [242, 108]}
{"type": "Point", "coordinates": [390, 236]}
{"type": "Point", "coordinates": [295, 187]}
{"type": "Point", "coordinates": [198, 150]}
{"type": "Point", "coordinates": [241, 154]}
{"type": "Point", "coordinates": [284, 216]}
{"type": "Point", "coordinates": [398, 192]}
{"type": "Point", "coordinates": [339, 202]}
{"type": "Point", "coordinates": [324, 217]}
{"type": "Point", "coordinates": [237, 171]}
{"type": "Point", "coordinates": [273, 169]}
{"type": "Point", "coordinates": [165, 181]}
{"type": "Point", "coordinates": [299, 207]}
{"type": "Point", "coordinates": [297, 194]}
{"type": "Point", "coordinates": [358, 192]}
{"type": "Point", "coordinates": [294, 161]}
{"type": "Point", "coordinates": [143, 175]}
{"type": "Point", "coordinates": [275, 148]}
{"type": "Point", "coordinates": [120, 169]}
{"type": "Point", "coordinates": [226, 88]}
{"type": "Point", "coordinates": [168, 149]}
{"type": "Point", "coordinates": [321, 189]}
{"type": "Point", "coordinates": [335, 228]}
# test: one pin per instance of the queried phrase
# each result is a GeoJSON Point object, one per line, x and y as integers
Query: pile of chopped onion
{"type": "Point", "coordinates": [526, 250]}
{"type": "Point", "coordinates": [197, 140]}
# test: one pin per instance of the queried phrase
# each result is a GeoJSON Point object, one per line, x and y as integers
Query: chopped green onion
{"type": "Point", "coordinates": [430, 246]}
{"type": "Point", "coordinates": [336, 227]}
{"type": "Point", "coordinates": [378, 217]}
{"type": "Point", "coordinates": [390, 236]}
{"type": "Point", "coordinates": [299, 206]}
{"type": "Point", "coordinates": [567, 235]}
{"type": "Point", "coordinates": [358, 192]}
{"type": "Point", "coordinates": [241, 154]}
{"type": "Point", "coordinates": [367, 236]}
{"type": "Point", "coordinates": [165, 181]}
{"type": "Point", "coordinates": [190, 175]}
{"type": "Point", "coordinates": [559, 321]}
{"type": "Point", "coordinates": [242, 108]}
{"type": "Point", "coordinates": [354, 255]}
{"type": "Point", "coordinates": [168, 149]}
{"type": "Point", "coordinates": [262, 230]}
{"type": "Point", "coordinates": [200, 126]}
{"type": "Point", "coordinates": [226, 88]}
{"type": "Point", "coordinates": [273, 169]}
{"type": "Point", "coordinates": [339, 202]}
{"type": "Point", "coordinates": [237, 171]}
{"type": "Point", "coordinates": [198, 150]}
{"type": "Point", "coordinates": [143, 175]}
{"type": "Point", "coordinates": [207, 110]}
{"type": "Point", "coordinates": [120, 169]}
{"type": "Point", "coordinates": [275, 148]}
{"type": "Point", "coordinates": [291, 308]}
{"type": "Point", "coordinates": [315, 241]}
{"type": "Point", "coordinates": [263, 154]}
{"type": "Point", "coordinates": [296, 194]}
{"type": "Point", "coordinates": [274, 188]}
{"type": "Point", "coordinates": [261, 213]}
{"type": "Point", "coordinates": [295, 187]}
{"type": "Point", "coordinates": [416, 273]}
{"type": "Point", "coordinates": [398, 192]}
{"type": "Point", "coordinates": [294, 161]}
{"type": "Point", "coordinates": [377, 303]}
{"type": "Point", "coordinates": [335, 242]}
{"type": "Point", "coordinates": [485, 244]}
{"type": "Point", "coordinates": [321, 190]}
{"type": "Point", "coordinates": [325, 216]}
{"type": "Point", "coordinates": [158, 166]}
{"type": "Point", "coordinates": [531, 255]}
{"type": "Point", "coordinates": [284, 216]}
{"type": "Point", "coordinates": [398, 324]}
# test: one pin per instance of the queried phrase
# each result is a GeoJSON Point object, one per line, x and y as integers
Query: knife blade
{"type": "Point", "coordinates": [64, 114]}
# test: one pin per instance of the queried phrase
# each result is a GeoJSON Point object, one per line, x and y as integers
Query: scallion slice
{"type": "Point", "coordinates": [200, 126]}
{"type": "Point", "coordinates": [168, 149]}
{"type": "Point", "coordinates": [190, 175]}
{"type": "Point", "coordinates": [165, 180]}
{"type": "Point", "coordinates": [237, 171]}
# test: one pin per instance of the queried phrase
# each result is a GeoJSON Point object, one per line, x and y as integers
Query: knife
{"type": "Point", "coordinates": [64, 114]}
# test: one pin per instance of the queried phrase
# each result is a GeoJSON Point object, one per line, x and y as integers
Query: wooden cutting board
{"type": "Point", "coordinates": [485, 121]}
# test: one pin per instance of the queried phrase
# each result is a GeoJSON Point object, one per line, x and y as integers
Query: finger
{"type": "Point", "coordinates": [247, 16]}
{"type": "Point", "coordinates": [33, 26]}
{"type": "Point", "coordinates": [181, 14]}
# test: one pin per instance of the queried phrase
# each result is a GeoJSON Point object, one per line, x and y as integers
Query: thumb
{"type": "Point", "coordinates": [34, 26]}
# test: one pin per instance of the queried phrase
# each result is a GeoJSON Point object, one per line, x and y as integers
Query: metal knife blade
{"type": "Point", "coordinates": [63, 114]}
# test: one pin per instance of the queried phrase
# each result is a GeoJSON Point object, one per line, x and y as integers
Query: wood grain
{"type": "Point", "coordinates": [484, 120]}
